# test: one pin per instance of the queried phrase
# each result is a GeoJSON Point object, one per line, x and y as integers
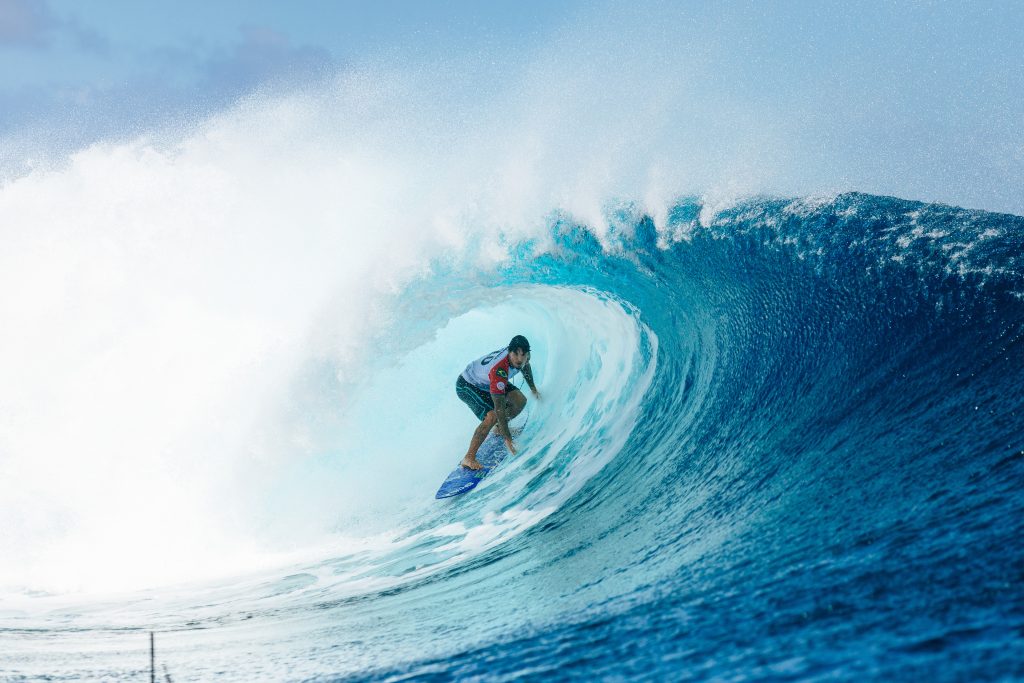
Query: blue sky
{"type": "Point", "coordinates": [918, 98]}
{"type": "Point", "coordinates": [97, 43]}
{"type": "Point", "coordinates": [94, 67]}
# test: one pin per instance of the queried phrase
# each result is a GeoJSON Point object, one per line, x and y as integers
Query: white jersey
{"type": "Point", "coordinates": [488, 372]}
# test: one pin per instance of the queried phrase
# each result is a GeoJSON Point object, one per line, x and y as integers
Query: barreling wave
{"type": "Point", "coordinates": [779, 438]}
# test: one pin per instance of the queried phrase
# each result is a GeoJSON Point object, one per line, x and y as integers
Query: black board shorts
{"type": "Point", "coordinates": [478, 400]}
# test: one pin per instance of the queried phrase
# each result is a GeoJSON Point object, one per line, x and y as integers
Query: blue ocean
{"type": "Point", "coordinates": [777, 439]}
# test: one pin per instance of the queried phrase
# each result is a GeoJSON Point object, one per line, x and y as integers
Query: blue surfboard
{"type": "Point", "coordinates": [462, 479]}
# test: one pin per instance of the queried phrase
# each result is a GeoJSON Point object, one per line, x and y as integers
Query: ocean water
{"type": "Point", "coordinates": [778, 439]}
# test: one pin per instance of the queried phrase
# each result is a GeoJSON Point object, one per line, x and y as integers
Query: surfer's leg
{"type": "Point", "coordinates": [479, 435]}
{"type": "Point", "coordinates": [478, 401]}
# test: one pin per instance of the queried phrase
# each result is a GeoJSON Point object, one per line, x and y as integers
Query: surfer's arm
{"type": "Point", "coordinates": [528, 376]}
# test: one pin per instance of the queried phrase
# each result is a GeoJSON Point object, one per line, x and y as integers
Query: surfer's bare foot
{"type": "Point", "coordinates": [471, 463]}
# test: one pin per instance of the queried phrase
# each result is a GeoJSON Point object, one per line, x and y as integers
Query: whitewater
{"type": "Point", "coordinates": [779, 433]}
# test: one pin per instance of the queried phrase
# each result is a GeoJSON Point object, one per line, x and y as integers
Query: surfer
{"type": "Point", "coordinates": [486, 388]}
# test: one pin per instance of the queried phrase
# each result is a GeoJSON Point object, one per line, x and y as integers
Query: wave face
{"type": "Point", "coordinates": [779, 440]}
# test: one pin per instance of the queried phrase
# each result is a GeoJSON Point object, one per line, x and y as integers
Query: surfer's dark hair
{"type": "Point", "coordinates": [519, 343]}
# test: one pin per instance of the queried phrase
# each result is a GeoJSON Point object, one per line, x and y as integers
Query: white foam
{"type": "Point", "coordinates": [164, 300]}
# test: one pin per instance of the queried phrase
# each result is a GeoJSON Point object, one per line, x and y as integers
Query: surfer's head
{"type": "Point", "coordinates": [518, 351]}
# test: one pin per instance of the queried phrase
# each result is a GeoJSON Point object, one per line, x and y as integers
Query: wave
{"type": "Point", "coordinates": [763, 425]}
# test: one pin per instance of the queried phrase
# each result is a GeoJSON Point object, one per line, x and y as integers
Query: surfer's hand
{"type": "Point", "coordinates": [511, 446]}
{"type": "Point", "coordinates": [536, 394]}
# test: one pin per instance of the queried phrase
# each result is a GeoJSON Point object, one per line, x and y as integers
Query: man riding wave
{"type": "Point", "coordinates": [485, 386]}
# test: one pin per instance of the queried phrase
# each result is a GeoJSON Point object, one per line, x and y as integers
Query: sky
{"type": "Point", "coordinates": [76, 72]}
{"type": "Point", "coordinates": [920, 99]}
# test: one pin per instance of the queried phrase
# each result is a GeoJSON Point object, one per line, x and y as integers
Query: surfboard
{"type": "Point", "coordinates": [462, 479]}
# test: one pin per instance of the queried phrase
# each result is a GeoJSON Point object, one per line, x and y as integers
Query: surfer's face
{"type": "Point", "coordinates": [518, 359]}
